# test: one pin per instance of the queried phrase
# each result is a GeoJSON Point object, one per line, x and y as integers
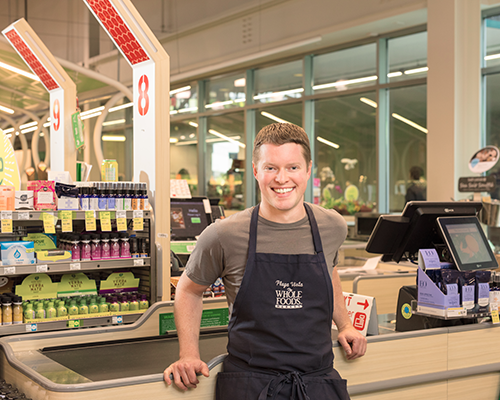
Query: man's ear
{"type": "Point", "coordinates": [254, 170]}
{"type": "Point", "coordinates": [309, 169]}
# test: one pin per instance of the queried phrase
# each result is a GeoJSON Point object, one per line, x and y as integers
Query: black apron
{"type": "Point", "coordinates": [280, 344]}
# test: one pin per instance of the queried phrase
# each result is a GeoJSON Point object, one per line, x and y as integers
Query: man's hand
{"type": "Point", "coordinates": [184, 372]}
{"type": "Point", "coordinates": [353, 342]}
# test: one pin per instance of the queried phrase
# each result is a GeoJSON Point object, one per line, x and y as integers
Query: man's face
{"type": "Point", "coordinates": [282, 173]}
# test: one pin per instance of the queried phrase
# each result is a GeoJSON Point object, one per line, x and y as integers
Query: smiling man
{"type": "Point", "coordinates": [277, 261]}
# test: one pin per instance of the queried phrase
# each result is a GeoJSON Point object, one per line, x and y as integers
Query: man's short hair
{"type": "Point", "coordinates": [416, 172]}
{"type": "Point", "coordinates": [279, 134]}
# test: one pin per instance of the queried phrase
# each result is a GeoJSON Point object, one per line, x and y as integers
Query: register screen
{"type": "Point", "coordinates": [468, 243]}
{"type": "Point", "coordinates": [187, 219]}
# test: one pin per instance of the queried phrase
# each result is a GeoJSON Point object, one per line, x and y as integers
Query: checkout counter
{"type": "Point", "coordinates": [126, 362]}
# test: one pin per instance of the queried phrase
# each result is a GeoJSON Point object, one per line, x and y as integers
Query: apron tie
{"type": "Point", "coordinates": [273, 388]}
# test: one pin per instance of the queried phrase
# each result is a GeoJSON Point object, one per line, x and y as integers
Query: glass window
{"type": "Point", "coordinates": [408, 145]}
{"type": "Point", "coordinates": [277, 83]}
{"type": "Point", "coordinates": [291, 113]}
{"type": "Point", "coordinates": [345, 174]}
{"type": "Point", "coordinates": [492, 39]}
{"type": "Point", "coordinates": [226, 160]}
{"type": "Point", "coordinates": [184, 100]}
{"type": "Point", "coordinates": [345, 69]}
{"type": "Point", "coordinates": [184, 152]}
{"type": "Point", "coordinates": [407, 57]}
{"type": "Point", "coordinates": [227, 92]}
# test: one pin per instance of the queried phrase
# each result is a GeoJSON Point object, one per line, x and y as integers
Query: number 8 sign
{"type": "Point", "coordinates": [143, 101]}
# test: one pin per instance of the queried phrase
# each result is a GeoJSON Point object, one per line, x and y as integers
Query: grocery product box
{"type": "Point", "coordinates": [24, 200]}
{"type": "Point", "coordinates": [16, 253]}
{"type": "Point", "coordinates": [7, 198]}
{"type": "Point", "coordinates": [44, 195]}
{"type": "Point", "coordinates": [52, 256]}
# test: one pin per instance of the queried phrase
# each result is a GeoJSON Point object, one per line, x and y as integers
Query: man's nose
{"type": "Point", "coordinates": [282, 176]}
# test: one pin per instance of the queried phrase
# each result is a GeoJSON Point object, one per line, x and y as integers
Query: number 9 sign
{"type": "Point", "coordinates": [56, 114]}
{"type": "Point", "coordinates": [143, 101]}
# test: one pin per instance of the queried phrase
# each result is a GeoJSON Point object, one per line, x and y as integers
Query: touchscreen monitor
{"type": "Point", "coordinates": [189, 217]}
{"type": "Point", "coordinates": [467, 243]}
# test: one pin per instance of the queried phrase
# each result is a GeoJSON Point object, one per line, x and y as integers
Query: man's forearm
{"type": "Point", "coordinates": [340, 316]}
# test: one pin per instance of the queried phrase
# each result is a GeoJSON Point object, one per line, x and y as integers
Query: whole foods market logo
{"type": "Point", "coordinates": [288, 295]}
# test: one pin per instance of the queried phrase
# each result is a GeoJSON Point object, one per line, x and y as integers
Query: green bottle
{"type": "Point", "coordinates": [103, 306]}
{"type": "Point", "coordinates": [84, 309]}
{"type": "Point", "coordinates": [114, 306]}
{"type": "Point", "coordinates": [124, 306]}
{"type": "Point", "coordinates": [144, 303]}
{"type": "Point", "coordinates": [134, 304]}
{"type": "Point", "coordinates": [62, 311]}
{"type": "Point", "coordinates": [51, 311]}
{"type": "Point", "coordinates": [73, 309]}
{"type": "Point", "coordinates": [29, 313]}
{"type": "Point", "coordinates": [93, 307]}
{"type": "Point", "coordinates": [40, 311]}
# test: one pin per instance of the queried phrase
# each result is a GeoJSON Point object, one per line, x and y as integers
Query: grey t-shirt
{"type": "Point", "coordinates": [222, 248]}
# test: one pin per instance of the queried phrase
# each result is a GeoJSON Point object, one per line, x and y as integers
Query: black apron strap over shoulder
{"type": "Point", "coordinates": [252, 240]}
{"type": "Point", "coordinates": [318, 246]}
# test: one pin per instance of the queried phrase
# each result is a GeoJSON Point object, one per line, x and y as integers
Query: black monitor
{"type": "Point", "coordinates": [400, 237]}
{"type": "Point", "coordinates": [189, 217]}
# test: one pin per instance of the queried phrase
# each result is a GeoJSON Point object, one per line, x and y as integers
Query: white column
{"type": "Point", "coordinates": [453, 94]}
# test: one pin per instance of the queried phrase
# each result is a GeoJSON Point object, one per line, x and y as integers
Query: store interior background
{"type": "Point", "coordinates": [380, 86]}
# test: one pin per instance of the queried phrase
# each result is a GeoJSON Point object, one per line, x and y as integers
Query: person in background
{"type": "Point", "coordinates": [278, 263]}
{"type": "Point", "coordinates": [417, 189]}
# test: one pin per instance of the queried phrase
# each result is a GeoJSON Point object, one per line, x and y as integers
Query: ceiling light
{"type": "Point", "coordinates": [94, 110]}
{"type": "Point", "coordinates": [192, 135]}
{"type": "Point", "coordinates": [32, 129]}
{"type": "Point", "coordinates": [193, 124]}
{"type": "Point", "coordinates": [10, 130]}
{"type": "Point", "coordinates": [274, 117]}
{"type": "Point", "coordinates": [240, 82]}
{"type": "Point", "coordinates": [9, 135]}
{"type": "Point", "coordinates": [411, 123]}
{"type": "Point", "coordinates": [28, 125]}
{"type": "Point", "coordinates": [113, 138]}
{"type": "Point", "coordinates": [222, 103]}
{"type": "Point", "coordinates": [182, 89]}
{"type": "Point", "coordinates": [327, 142]}
{"type": "Point", "coordinates": [7, 110]}
{"type": "Point", "coordinates": [189, 109]}
{"type": "Point", "coordinates": [214, 132]}
{"type": "Point", "coordinates": [46, 125]}
{"type": "Point", "coordinates": [211, 140]}
{"type": "Point", "coordinates": [19, 71]}
{"type": "Point", "coordinates": [90, 115]}
{"type": "Point", "coordinates": [394, 74]}
{"type": "Point", "coordinates": [17, 133]}
{"type": "Point", "coordinates": [277, 94]}
{"type": "Point", "coordinates": [492, 57]}
{"type": "Point", "coordinates": [126, 105]}
{"type": "Point", "coordinates": [182, 137]}
{"type": "Point", "coordinates": [172, 112]}
{"type": "Point", "coordinates": [41, 134]}
{"type": "Point", "coordinates": [416, 71]}
{"type": "Point", "coordinates": [347, 82]}
{"type": "Point", "coordinates": [115, 122]}
{"type": "Point", "coordinates": [369, 102]}
{"type": "Point", "coordinates": [173, 140]}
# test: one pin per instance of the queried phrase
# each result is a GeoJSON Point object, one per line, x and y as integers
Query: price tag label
{"type": "Point", "coordinates": [67, 221]}
{"type": "Point", "coordinates": [138, 214]}
{"type": "Point", "coordinates": [494, 317]}
{"type": "Point", "coordinates": [42, 268]}
{"type": "Point", "coordinates": [75, 266]}
{"type": "Point", "coordinates": [138, 262]}
{"type": "Point", "coordinates": [23, 215]}
{"type": "Point", "coordinates": [31, 328]}
{"type": "Point", "coordinates": [138, 224]}
{"type": "Point", "coordinates": [105, 217]}
{"type": "Point", "coordinates": [48, 223]}
{"type": "Point", "coordinates": [90, 224]}
{"type": "Point", "coordinates": [117, 319]}
{"type": "Point", "coordinates": [6, 223]}
{"type": "Point", "coordinates": [121, 221]}
{"type": "Point", "coordinates": [74, 323]}
{"type": "Point", "coordinates": [9, 270]}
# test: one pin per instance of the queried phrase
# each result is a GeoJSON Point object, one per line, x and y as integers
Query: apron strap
{"type": "Point", "coordinates": [318, 246]}
{"type": "Point", "coordinates": [252, 240]}
{"type": "Point", "coordinates": [273, 388]}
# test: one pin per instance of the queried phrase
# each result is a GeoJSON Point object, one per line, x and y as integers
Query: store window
{"type": "Point", "coordinates": [224, 93]}
{"type": "Point", "coordinates": [286, 113]}
{"type": "Point", "coordinates": [345, 69]}
{"type": "Point", "coordinates": [345, 153]}
{"type": "Point", "coordinates": [225, 158]}
{"type": "Point", "coordinates": [492, 41]}
{"type": "Point", "coordinates": [408, 142]}
{"type": "Point", "coordinates": [407, 57]}
{"type": "Point", "coordinates": [184, 153]}
{"type": "Point", "coordinates": [184, 100]}
{"type": "Point", "coordinates": [278, 83]}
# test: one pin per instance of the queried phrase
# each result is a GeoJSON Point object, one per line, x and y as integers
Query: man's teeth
{"type": "Point", "coordinates": [283, 190]}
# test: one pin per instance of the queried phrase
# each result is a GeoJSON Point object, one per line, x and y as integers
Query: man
{"type": "Point", "coordinates": [416, 189]}
{"type": "Point", "coordinates": [277, 262]}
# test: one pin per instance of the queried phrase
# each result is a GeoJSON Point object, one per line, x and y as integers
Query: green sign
{"type": "Point", "coordinates": [209, 318]}
{"type": "Point", "coordinates": [77, 129]}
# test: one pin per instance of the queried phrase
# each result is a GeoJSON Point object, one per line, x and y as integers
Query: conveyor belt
{"type": "Point", "coordinates": [130, 358]}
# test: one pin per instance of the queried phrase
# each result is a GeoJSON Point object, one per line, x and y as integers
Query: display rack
{"type": "Point", "coordinates": [144, 269]}
{"type": "Point", "coordinates": [414, 309]}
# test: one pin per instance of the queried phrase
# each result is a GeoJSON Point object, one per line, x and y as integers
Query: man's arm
{"type": "Point", "coordinates": [353, 342]}
{"type": "Point", "coordinates": [188, 307]}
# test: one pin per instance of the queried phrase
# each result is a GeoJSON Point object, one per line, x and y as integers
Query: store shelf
{"type": "Point", "coordinates": [84, 322]}
{"type": "Point", "coordinates": [448, 315]}
{"type": "Point", "coordinates": [122, 263]}
{"type": "Point", "coordinates": [77, 215]}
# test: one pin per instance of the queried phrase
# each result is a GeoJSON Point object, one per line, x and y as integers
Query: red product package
{"type": "Point", "coordinates": [44, 195]}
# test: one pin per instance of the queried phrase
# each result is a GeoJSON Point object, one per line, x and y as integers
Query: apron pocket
{"type": "Point", "coordinates": [326, 388]}
{"type": "Point", "coordinates": [240, 385]}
